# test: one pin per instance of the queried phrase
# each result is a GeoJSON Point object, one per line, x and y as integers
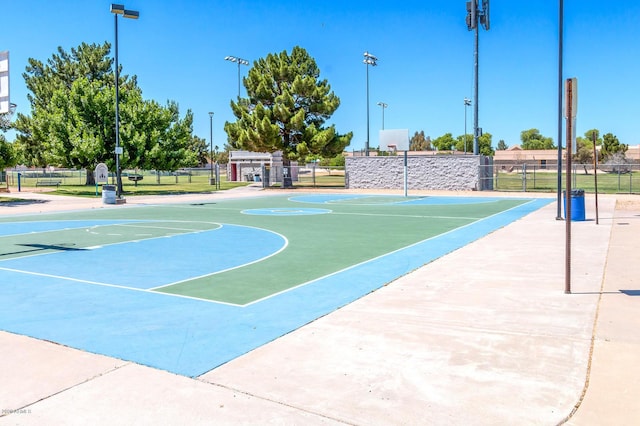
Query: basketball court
{"type": "Point", "coordinates": [187, 287]}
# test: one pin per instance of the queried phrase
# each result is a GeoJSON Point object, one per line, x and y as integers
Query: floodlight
{"type": "Point", "coordinates": [131, 14]}
{"type": "Point", "coordinates": [369, 59]}
{"type": "Point", "coordinates": [370, 56]}
{"type": "Point", "coordinates": [117, 8]}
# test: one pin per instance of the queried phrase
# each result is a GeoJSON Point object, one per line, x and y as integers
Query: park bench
{"type": "Point", "coordinates": [48, 182]}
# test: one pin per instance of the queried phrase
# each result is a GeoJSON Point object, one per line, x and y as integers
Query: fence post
{"type": "Point", "coordinates": [618, 179]}
{"type": "Point", "coordinates": [313, 173]}
{"type": "Point", "coordinates": [534, 176]}
{"type": "Point", "coordinates": [524, 177]}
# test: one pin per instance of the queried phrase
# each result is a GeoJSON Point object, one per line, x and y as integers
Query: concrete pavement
{"type": "Point", "coordinates": [484, 335]}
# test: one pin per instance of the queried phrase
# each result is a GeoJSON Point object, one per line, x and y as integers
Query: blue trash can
{"type": "Point", "coordinates": [577, 204]}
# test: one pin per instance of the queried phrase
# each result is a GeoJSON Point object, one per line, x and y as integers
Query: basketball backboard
{"type": "Point", "coordinates": [4, 83]}
{"type": "Point", "coordinates": [394, 140]}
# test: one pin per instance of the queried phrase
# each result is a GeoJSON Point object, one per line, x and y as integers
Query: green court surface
{"type": "Point", "coordinates": [323, 235]}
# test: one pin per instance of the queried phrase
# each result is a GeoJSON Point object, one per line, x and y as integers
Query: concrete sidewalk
{"type": "Point", "coordinates": [614, 379]}
{"type": "Point", "coordinates": [484, 335]}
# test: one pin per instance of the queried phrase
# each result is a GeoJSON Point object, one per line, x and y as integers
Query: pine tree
{"type": "Point", "coordinates": [286, 109]}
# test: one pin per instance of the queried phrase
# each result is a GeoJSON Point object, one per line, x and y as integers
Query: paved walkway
{"type": "Point", "coordinates": [484, 335]}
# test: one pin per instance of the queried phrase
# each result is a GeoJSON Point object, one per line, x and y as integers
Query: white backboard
{"type": "Point", "coordinates": [394, 140]}
{"type": "Point", "coordinates": [4, 82]}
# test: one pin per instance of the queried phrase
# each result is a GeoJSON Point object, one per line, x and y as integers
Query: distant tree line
{"type": "Point", "coordinates": [611, 150]}
{"type": "Point", "coordinates": [71, 123]}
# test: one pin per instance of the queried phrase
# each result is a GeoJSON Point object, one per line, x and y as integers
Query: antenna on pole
{"type": "Point", "coordinates": [484, 17]}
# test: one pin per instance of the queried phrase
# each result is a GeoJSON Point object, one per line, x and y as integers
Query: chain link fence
{"type": "Point", "coordinates": [621, 178]}
{"type": "Point", "coordinates": [612, 178]}
{"type": "Point", "coordinates": [57, 177]}
{"type": "Point", "coordinates": [306, 176]}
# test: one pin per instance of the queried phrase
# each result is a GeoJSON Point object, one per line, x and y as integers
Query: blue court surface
{"type": "Point", "coordinates": [132, 282]}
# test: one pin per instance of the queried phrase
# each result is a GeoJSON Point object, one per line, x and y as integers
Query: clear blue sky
{"type": "Point", "coordinates": [425, 52]}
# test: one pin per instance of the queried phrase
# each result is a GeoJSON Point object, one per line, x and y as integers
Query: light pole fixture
{"type": "Point", "coordinates": [211, 180]}
{"type": "Point", "coordinates": [239, 61]}
{"type": "Point", "coordinates": [467, 102]}
{"type": "Point", "coordinates": [383, 106]}
{"type": "Point", "coordinates": [118, 9]}
{"type": "Point", "coordinates": [369, 59]}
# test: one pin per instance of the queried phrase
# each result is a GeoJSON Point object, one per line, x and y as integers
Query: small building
{"type": "Point", "coordinates": [250, 166]}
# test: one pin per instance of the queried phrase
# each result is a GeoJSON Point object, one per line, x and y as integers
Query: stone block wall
{"type": "Point", "coordinates": [434, 172]}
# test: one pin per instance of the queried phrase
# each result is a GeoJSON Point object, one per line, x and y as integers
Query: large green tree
{"type": "Point", "coordinates": [484, 144]}
{"type": "Point", "coordinates": [286, 109]}
{"type": "Point", "coordinates": [464, 143]}
{"type": "Point", "coordinates": [419, 142]}
{"type": "Point", "coordinates": [584, 148]}
{"type": "Point", "coordinates": [200, 147]}
{"type": "Point", "coordinates": [532, 139]}
{"type": "Point", "coordinates": [72, 121]}
{"type": "Point", "coordinates": [7, 154]}
{"type": "Point", "coordinates": [445, 142]}
{"type": "Point", "coordinates": [611, 145]}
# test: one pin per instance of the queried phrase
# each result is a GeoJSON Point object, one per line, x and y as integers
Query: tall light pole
{"type": "Point", "coordinates": [211, 180]}
{"type": "Point", "coordinates": [118, 9]}
{"type": "Point", "coordinates": [467, 102]}
{"type": "Point", "coordinates": [369, 59]}
{"type": "Point", "coordinates": [239, 61]}
{"type": "Point", "coordinates": [383, 105]}
{"type": "Point", "coordinates": [476, 17]}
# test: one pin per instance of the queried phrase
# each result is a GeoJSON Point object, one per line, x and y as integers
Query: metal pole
{"type": "Point", "coordinates": [560, 60]}
{"type": "Point", "coordinates": [567, 198]}
{"type": "Point", "coordinates": [475, 91]}
{"type": "Point", "coordinates": [117, 82]}
{"type": "Point", "coordinates": [406, 174]}
{"type": "Point", "coordinates": [366, 146]}
{"type": "Point", "coordinates": [467, 102]}
{"type": "Point", "coordinates": [595, 172]}
{"type": "Point", "coordinates": [239, 79]}
{"type": "Point", "coordinates": [211, 181]}
{"type": "Point", "coordinates": [383, 106]}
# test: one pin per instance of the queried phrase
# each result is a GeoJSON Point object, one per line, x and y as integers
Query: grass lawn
{"type": "Point", "coordinates": [608, 183]}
